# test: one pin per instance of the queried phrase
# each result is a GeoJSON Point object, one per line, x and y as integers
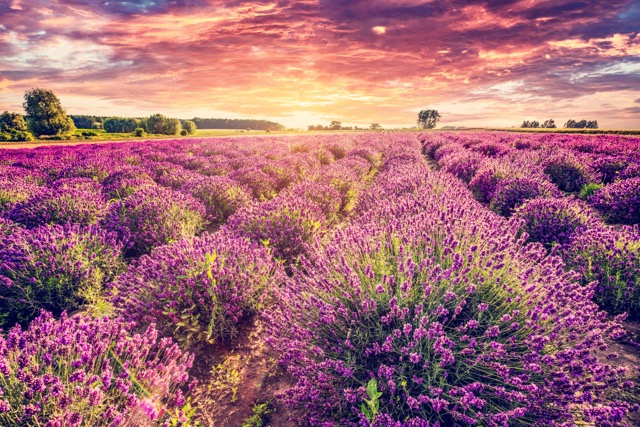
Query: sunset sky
{"type": "Point", "coordinates": [488, 63]}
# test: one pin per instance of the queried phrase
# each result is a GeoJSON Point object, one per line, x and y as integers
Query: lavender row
{"type": "Point", "coordinates": [565, 190]}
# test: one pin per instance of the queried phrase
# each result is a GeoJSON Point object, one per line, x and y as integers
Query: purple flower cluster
{"type": "Point", "coordinates": [458, 321]}
{"type": "Point", "coordinates": [198, 290]}
{"type": "Point", "coordinates": [79, 371]}
{"type": "Point", "coordinates": [619, 202]}
{"type": "Point", "coordinates": [54, 267]}
{"type": "Point", "coordinates": [554, 221]}
{"type": "Point", "coordinates": [611, 259]}
{"type": "Point", "coordinates": [154, 216]}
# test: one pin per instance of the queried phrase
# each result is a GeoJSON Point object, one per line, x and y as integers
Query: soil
{"type": "Point", "coordinates": [234, 377]}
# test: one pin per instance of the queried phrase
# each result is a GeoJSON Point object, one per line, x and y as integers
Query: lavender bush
{"type": "Point", "coordinates": [568, 171]}
{"type": "Point", "coordinates": [54, 268]}
{"type": "Point", "coordinates": [59, 206]}
{"type": "Point", "coordinates": [198, 290]}
{"type": "Point", "coordinates": [611, 258]}
{"type": "Point", "coordinates": [221, 196]}
{"type": "Point", "coordinates": [454, 320]}
{"type": "Point", "coordinates": [511, 193]}
{"type": "Point", "coordinates": [79, 371]}
{"type": "Point", "coordinates": [154, 216]}
{"type": "Point", "coordinates": [619, 202]}
{"type": "Point", "coordinates": [553, 221]}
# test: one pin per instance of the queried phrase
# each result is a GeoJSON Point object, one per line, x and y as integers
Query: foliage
{"type": "Point", "coordinates": [202, 123]}
{"type": "Point", "coordinates": [554, 221]}
{"type": "Point", "coordinates": [189, 126]}
{"type": "Point", "coordinates": [12, 122]}
{"type": "Point", "coordinates": [154, 216]}
{"type": "Point", "coordinates": [428, 119]}
{"type": "Point", "coordinates": [45, 115]}
{"type": "Point", "coordinates": [260, 415]}
{"type": "Point", "coordinates": [55, 268]}
{"type": "Point", "coordinates": [589, 190]}
{"type": "Point", "coordinates": [120, 125]}
{"type": "Point", "coordinates": [221, 196]}
{"type": "Point", "coordinates": [198, 290]}
{"type": "Point", "coordinates": [512, 193]}
{"type": "Point", "coordinates": [611, 258]}
{"type": "Point", "coordinates": [91, 372]}
{"type": "Point", "coordinates": [568, 171]}
{"type": "Point", "coordinates": [619, 202]}
{"type": "Point", "coordinates": [139, 132]}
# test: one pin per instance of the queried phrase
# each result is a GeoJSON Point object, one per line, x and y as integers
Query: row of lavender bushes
{"type": "Point", "coordinates": [128, 217]}
{"type": "Point", "coordinates": [430, 310]}
{"type": "Point", "coordinates": [577, 195]}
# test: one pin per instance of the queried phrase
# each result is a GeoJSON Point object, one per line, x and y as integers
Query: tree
{"type": "Point", "coordinates": [335, 125]}
{"type": "Point", "coordinates": [428, 119]}
{"type": "Point", "coordinates": [120, 125]}
{"type": "Point", "coordinates": [12, 122]}
{"type": "Point", "coordinates": [172, 127]}
{"type": "Point", "coordinates": [535, 124]}
{"type": "Point", "coordinates": [189, 126]}
{"type": "Point", "coordinates": [45, 115]}
{"type": "Point", "coordinates": [375, 126]}
{"type": "Point", "coordinates": [156, 123]}
{"type": "Point", "coordinates": [592, 124]}
{"type": "Point", "coordinates": [549, 124]}
{"type": "Point", "coordinates": [525, 124]}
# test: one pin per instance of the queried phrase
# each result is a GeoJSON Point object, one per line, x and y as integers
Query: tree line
{"type": "Point", "coordinates": [46, 118]}
{"type": "Point", "coordinates": [570, 124]}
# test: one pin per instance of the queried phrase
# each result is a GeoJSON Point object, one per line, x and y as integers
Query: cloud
{"type": "Point", "coordinates": [360, 61]}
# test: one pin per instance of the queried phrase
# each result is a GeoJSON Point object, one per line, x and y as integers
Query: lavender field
{"type": "Point", "coordinates": [392, 279]}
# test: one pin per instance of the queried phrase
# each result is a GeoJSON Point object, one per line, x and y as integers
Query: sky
{"type": "Point", "coordinates": [480, 63]}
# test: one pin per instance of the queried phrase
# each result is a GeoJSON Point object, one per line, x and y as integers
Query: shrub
{"type": "Point", "coordinates": [82, 184]}
{"type": "Point", "coordinates": [326, 197]}
{"type": "Point", "coordinates": [611, 258]}
{"type": "Point", "coordinates": [568, 172]}
{"type": "Point", "coordinates": [462, 164]}
{"type": "Point", "coordinates": [619, 202]}
{"type": "Point", "coordinates": [139, 132]}
{"type": "Point", "coordinates": [221, 196]}
{"type": "Point", "coordinates": [455, 323]}
{"type": "Point", "coordinates": [13, 191]}
{"type": "Point", "coordinates": [324, 156]}
{"type": "Point", "coordinates": [511, 193]}
{"type": "Point", "coordinates": [487, 178]}
{"type": "Point", "coordinates": [609, 167]}
{"type": "Point", "coordinates": [154, 216]}
{"type": "Point", "coordinates": [287, 225]}
{"type": "Point", "coordinates": [59, 206]}
{"type": "Point", "coordinates": [54, 268]}
{"type": "Point", "coordinates": [90, 372]}
{"type": "Point", "coordinates": [184, 132]}
{"type": "Point", "coordinates": [554, 221]}
{"type": "Point", "coordinates": [125, 182]}
{"type": "Point", "coordinates": [262, 185]}
{"type": "Point", "coordinates": [189, 126]}
{"type": "Point", "coordinates": [198, 290]}
{"type": "Point", "coordinates": [632, 171]}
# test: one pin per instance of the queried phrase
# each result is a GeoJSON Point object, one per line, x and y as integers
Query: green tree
{"type": "Point", "coordinates": [12, 122]}
{"type": "Point", "coordinates": [549, 124]}
{"type": "Point", "coordinates": [525, 124]}
{"type": "Point", "coordinates": [428, 119]}
{"type": "Point", "coordinates": [45, 115]}
{"type": "Point", "coordinates": [374, 126]}
{"type": "Point", "coordinates": [335, 125]}
{"type": "Point", "coordinates": [156, 123]}
{"type": "Point", "coordinates": [172, 127]}
{"type": "Point", "coordinates": [189, 126]}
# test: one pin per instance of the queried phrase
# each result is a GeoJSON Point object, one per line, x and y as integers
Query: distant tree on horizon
{"type": "Point", "coordinates": [45, 115]}
{"type": "Point", "coordinates": [549, 124]}
{"type": "Point", "coordinates": [582, 124]}
{"type": "Point", "coordinates": [375, 126]}
{"type": "Point", "coordinates": [189, 126]}
{"type": "Point", "coordinates": [335, 125]}
{"type": "Point", "coordinates": [428, 119]}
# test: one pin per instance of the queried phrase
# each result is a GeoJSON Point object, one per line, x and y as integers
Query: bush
{"type": "Point", "coordinates": [184, 132]}
{"type": "Point", "coordinates": [609, 167]}
{"type": "Point", "coordinates": [454, 323]}
{"type": "Point", "coordinates": [59, 206]}
{"type": "Point", "coordinates": [286, 225]}
{"type": "Point", "coordinates": [619, 202]}
{"type": "Point", "coordinates": [154, 216]}
{"type": "Point", "coordinates": [221, 196]}
{"type": "Point", "coordinates": [125, 182]}
{"type": "Point", "coordinates": [189, 126]}
{"type": "Point", "coordinates": [14, 191]}
{"type": "Point", "coordinates": [90, 372]}
{"type": "Point", "coordinates": [553, 221]}
{"type": "Point", "coordinates": [611, 258]}
{"type": "Point", "coordinates": [511, 193]}
{"type": "Point", "coordinates": [568, 172]}
{"type": "Point", "coordinates": [139, 132]}
{"type": "Point", "coordinates": [326, 197]}
{"type": "Point", "coordinates": [198, 290]}
{"type": "Point", "coordinates": [55, 268]}
{"type": "Point", "coordinates": [120, 125]}
{"type": "Point", "coordinates": [262, 185]}
{"type": "Point", "coordinates": [462, 164]}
